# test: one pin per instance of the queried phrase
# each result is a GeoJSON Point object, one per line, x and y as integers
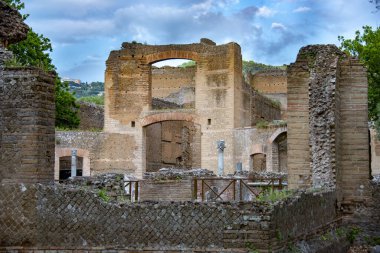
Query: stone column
{"type": "Point", "coordinates": [220, 146]}
{"type": "Point", "coordinates": [73, 163]}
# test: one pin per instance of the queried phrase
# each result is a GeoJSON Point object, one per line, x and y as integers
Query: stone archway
{"type": "Point", "coordinates": [277, 150]}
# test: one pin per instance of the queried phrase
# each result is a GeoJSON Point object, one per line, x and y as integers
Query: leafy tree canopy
{"type": "Point", "coordinates": [366, 46]}
{"type": "Point", "coordinates": [34, 51]}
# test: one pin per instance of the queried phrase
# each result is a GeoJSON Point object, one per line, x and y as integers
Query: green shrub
{"type": "Point", "coordinates": [103, 195]}
{"type": "Point", "coordinates": [262, 124]}
{"type": "Point", "coordinates": [98, 100]}
{"type": "Point", "coordinates": [274, 195]}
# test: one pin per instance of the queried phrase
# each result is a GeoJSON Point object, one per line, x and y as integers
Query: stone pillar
{"type": "Point", "coordinates": [220, 146]}
{"type": "Point", "coordinates": [73, 163]}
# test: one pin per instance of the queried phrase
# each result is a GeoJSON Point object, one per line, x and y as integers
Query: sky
{"type": "Point", "coordinates": [83, 32]}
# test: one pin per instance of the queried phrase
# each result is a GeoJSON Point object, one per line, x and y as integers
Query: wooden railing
{"type": "Point", "coordinates": [233, 189]}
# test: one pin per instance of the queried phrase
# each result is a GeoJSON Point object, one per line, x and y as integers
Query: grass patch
{"type": "Point", "coordinates": [274, 195]}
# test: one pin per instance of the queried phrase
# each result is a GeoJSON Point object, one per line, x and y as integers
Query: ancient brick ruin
{"type": "Point", "coordinates": [327, 122]}
{"type": "Point", "coordinates": [27, 112]}
{"type": "Point", "coordinates": [150, 123]}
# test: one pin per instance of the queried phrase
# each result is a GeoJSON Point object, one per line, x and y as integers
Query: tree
{"type": "Point", "coordinates": [366, 46]}
{"type": "Point", "coordinates": [34, 51]}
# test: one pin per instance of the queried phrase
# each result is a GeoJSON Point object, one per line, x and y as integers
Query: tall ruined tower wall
{"type": "Point", "coordinates": [327, 122]}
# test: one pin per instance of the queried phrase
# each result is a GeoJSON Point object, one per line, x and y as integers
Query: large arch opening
{"type": "Point", "coordinates": [173, 83]}
{"type": "Point", "coordinates": [172, 143]}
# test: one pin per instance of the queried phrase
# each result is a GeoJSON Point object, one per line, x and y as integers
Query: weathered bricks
{"type": "Point", "coordinates": [327, 122]}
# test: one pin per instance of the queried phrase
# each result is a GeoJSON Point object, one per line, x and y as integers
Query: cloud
{"type": "Point", "coordinates": [278, 26]}
{"type": "Point", "coordinates": [265, 12]}
{"type": "Point", "coordinates": [90, 27]}
{"type": "Point", "coordinates": [302, 9]}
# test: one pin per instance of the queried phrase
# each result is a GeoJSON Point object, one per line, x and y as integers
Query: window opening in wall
{"type": "Point", "coordinates": [173, 84]}
{"type": "Point", "coordinates": [65, 167]}
{"type": "Point", "coordinates": [258, 162]}
{"type": "Point", "coordinates": [133, 124]}
{"type": "Point", "coordinates": [209, 122]}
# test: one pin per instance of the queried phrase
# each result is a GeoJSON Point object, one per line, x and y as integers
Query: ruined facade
{"type": "Point", "coordinates": [213, 99]}
{"type": "Point", "coordinates": [327, 148]}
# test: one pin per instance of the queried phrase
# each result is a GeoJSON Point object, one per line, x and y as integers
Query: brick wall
{"type": "Point", "coordinates": [60, 217]}
{"type": "Point", "coordinates": [107, 152]}
{"type": "Point", "coordinates": [327, 117]}
{"type": "Point", "coordinates": [91, 116]}
{"type": "Point", "coordinates": [167, 80]}
{"type": "Point", "coordinates": [264, 108]}
{"type": "Point", "coordinates": [270, 81]}
{"type": "Point", "coordinates": [27, 113]}
{"type": "Point", "coordinates": [166, 190]}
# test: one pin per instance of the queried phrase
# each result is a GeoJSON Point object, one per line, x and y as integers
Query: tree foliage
{"type": "Point", "coordinates": [34, 51]}
{"type": "Point", "coordinates": [366, 46]}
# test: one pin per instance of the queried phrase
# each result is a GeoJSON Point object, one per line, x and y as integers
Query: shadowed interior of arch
{"type": "Point", "coordinates": [173, 143]}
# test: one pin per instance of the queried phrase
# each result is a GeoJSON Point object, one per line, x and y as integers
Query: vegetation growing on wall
{"type": "Point", "coordinates": [253, 67]}
{"type": "Point", "coordinates": [366, 46]}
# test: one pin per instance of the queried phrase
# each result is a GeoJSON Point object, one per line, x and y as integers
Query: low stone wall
{"type": "Point", "coordinates": [366, 216]}
{"type": "Point", "coordinates": [59, 217]}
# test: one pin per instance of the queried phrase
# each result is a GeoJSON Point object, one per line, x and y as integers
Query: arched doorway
{"type": "Point", "coordinates": [280, 152]}
{"type": "Point", "coordinates": [172, 143]}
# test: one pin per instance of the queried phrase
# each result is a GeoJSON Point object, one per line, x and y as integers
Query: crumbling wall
{"type": "Point", "coordinates": [327, 122]}
{"type": "Point", "coordinates": [366, 216]}
{"type": "Point", "coordinates": [264, 108]}
{"type": "Point", "coordinates": [61, 217]}
{"type": "Point", "coordinates": [12, 27]}
{"type": "Point", "coordinates": [27, 111]}
{"type": "Point", "coordinates": [91, 116]}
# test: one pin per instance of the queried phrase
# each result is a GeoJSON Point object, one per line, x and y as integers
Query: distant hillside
{"type": "Point", "coordinates": [87, 89]}
{"type": "Point", "coordinates": [253, 67]}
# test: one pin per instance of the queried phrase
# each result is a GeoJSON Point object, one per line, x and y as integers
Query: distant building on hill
{"type": "Point", "coordinates": [66, 79]}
